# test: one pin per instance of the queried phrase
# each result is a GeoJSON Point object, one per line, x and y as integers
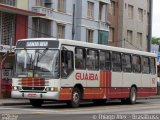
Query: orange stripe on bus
{"type": "Point", "coordinates": [65, 94]}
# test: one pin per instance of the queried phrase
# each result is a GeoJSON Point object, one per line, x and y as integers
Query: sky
{"type": "Point", "coordinates": [156, 19]}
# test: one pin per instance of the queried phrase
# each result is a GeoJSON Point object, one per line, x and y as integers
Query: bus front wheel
{"type": "Point", "coordinates": [76, 96]}
{"type": "Point", "coordinates": [36, 102]}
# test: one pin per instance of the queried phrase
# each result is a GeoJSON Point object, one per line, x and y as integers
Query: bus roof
{"type": "Point", "coordinates": [94, 46]}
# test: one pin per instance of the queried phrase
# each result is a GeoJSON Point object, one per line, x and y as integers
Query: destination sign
{"type": "Point", "coordinates": [38, 44]}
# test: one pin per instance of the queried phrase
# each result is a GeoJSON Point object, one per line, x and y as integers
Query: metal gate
{"type": "Point", "coordinates": [7, 28]}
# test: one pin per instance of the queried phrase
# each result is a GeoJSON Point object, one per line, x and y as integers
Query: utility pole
{"type": "Point", "coordinates": [73, 20]}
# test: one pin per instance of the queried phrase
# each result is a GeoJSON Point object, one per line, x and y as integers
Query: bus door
{"type": "Point", "coordinates": [67, 66]}
{"type": "Point", "coordinates": [105, 72]}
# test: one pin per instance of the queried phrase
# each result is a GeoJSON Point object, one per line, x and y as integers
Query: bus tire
{"type": "Point", "coordinates": [76, 96]}
{"type": "Point", "coordinates": [132, 96]}
{"type": "Point", "coordinates": [36, 103]}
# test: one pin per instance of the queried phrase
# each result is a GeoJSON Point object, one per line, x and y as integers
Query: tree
{"type": "Point", "coordinates": [154, 40]}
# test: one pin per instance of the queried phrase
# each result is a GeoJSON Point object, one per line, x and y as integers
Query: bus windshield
{"type": "Point", "coordinates": [37, 63]}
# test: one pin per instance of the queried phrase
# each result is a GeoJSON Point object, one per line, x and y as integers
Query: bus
{"type": "Point", "coordinates": [71, 71]}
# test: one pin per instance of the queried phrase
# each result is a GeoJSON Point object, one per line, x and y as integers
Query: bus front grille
{"type": "Point", "coordinates": [33, 88]}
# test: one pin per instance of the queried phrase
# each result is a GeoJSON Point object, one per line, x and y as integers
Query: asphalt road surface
{"type": "Point", "coordinates": [112, 110]}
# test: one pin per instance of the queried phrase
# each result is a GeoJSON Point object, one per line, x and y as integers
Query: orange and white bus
{"type": "Point", "coordinates": [70, 71]}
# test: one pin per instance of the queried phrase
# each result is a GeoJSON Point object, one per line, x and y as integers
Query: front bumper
{"type": "Point", "coordinates": [34, 95]}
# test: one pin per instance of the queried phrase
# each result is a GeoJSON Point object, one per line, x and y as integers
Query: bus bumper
{"type": "Point", "coordinates": [32, 95]}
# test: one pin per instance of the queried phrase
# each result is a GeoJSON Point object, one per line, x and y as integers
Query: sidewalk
{"type": "Point", "coordinates": [10, 101]}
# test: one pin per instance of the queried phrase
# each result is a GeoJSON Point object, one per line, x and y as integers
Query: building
{"type": "Point", "coordinates": [130, 24]}
{"type": "Point", "coordinates": [84, 20]}
{"type": "Point", "coordinates": [13, 26]}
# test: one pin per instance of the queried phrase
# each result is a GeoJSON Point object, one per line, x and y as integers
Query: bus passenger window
{"type": "Point", "coordinates": [92, 60]}
{"type": "Point", "coordinates": [66, 63]}
{"type": "Point", "coordinates": [145, 65]}
{"type": "Point", "coordinates": [136, 64]}
{"type": "Point", "coordinates": [116, 62]}
{"type": "Point", "coordinates": [80, 58]}
{"type": "Point", "coordinates": [152, 66]}
{"type": "Point", "coordinates": [105, 62]}
{"type": "Point", "coordinates": [126, 63]}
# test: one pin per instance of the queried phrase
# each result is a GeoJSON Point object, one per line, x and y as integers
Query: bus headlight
{"type": "Point", "coordinates": [51, 89]}
{"type": "Point", "coordinates": [16, 88]}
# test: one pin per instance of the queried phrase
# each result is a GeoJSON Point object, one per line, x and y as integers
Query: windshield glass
{"type": "Point", "coordinates": [37, 63]}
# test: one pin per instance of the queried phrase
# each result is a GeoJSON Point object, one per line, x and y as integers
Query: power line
{"type": "Point", "coordinates": [31, 28]}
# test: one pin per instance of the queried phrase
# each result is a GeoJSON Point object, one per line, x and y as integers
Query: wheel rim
{"type": "Point", "coordinates": [76, 97]}
{"type": "Point", "coordinates": [133, 95]}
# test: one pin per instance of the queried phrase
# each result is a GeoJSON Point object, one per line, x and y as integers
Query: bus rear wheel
{"type": "Point", "coordinates": [132, 96]}
{"type": "Point", "coordinates": [75, 101]}
{"type": "Point", "coordinates": [36, 103]}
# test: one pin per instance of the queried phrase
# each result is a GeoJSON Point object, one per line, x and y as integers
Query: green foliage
{"type": "Point", "coordinates": [154, 40]}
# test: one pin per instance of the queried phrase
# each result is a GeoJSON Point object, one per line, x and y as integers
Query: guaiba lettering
{"type": "Point", "coordinates": [86, 76]}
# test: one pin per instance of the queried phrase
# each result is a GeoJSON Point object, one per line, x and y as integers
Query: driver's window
{"type": "Point", "coordinates": [66, 63]}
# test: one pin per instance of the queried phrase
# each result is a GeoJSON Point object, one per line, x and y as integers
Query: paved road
{"type": "Point", "coordinates": [87, 111]}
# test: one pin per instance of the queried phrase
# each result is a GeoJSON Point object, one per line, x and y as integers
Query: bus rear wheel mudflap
{"type": "Point", "coordinates": [36, 102]}
{"type": "Point", "coordinates": [76, 97]}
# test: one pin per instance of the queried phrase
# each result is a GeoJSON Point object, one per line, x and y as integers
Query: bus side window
{"type": "Point", "coordinates": [136, 64]}
{"type": "Point", "coordinates": [80, 58]}
{"type": "Point", "coordinates": [92, 59]}
{"type": "Point", "coordinates": [116, 62]}
{"type": "Point", "coordinates": [145, 65]}
{"type": "Point", "coordinates": [105, 61]}
{"type": "Point", "coordinates": [66, 63]}
{"type": "Point", "coordinates": [152, 66]}
{"type": "Point", "coordinates": [126, 63]}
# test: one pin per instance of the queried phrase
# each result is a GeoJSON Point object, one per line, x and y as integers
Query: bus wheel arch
{"type": "Point", "coordinates": [77, 95]}
{"type": "Point", "coordinates": [80, 87]}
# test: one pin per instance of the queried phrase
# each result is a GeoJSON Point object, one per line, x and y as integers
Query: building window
{"type": "Point", "coordinates": [111, 34]}
{"type": "Point", "coordinates": [41, 27]}
{"type": "Point", "coordinates": [129, 36]}
{"type": "Point", "coordinates": [102, 37]}
{"type": "Point", "coordinates": [61, 5]}
{"type": "Point", "coordinates": [113, 8]}
{"type": "Point", "coordinates": [9, 2]}
{"type": "Point", "coordinates": [39, 3]}
{"type": "Point", "coordinates": [7, 31]}
{"type": "Point", "coordinates": [140, 14]}
{"type": "Point", "coordinates": [139, 39]}
{"type": "Point", "coordinates": [90, 11]}
{"type": "Point", "coordinates": [100, 10]}
{"type": "Point", "coordinates": [130, 11]}
{"type": "Point", "coordinates": [90, 36]}
{"type": "Point", "coordinates": [60, 31]}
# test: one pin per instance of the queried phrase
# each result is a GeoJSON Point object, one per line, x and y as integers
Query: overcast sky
{"type": "Point", "coordinates": [156, 18]}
